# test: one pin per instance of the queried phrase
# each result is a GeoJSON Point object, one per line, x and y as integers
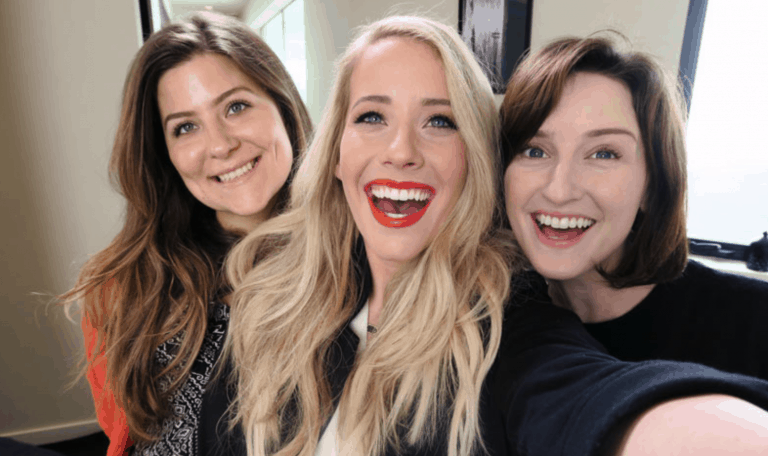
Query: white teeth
{"type": "Point", "coordinates": [395, 215]}
{"type": "Point", "coordinates": [236, 173]}
{"type": "Point", "coordinates": [565, 222]}
{"type": "Point", "coordinates": [382, 191]}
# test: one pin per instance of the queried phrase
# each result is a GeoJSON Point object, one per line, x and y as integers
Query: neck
{"type": "Point", "coordinates": [381, 272]}
{"type": "Point", "coordinates": [241, 224]}
{"type": "Point", "coordinates": [594, 300]}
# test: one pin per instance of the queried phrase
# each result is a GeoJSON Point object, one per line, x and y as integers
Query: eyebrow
{"type": "Point", "coordinates": [387, 100]}
{"type": "Point", "coordinates": [611, 131]}
{"type": "Point", "coordinates": [594, 133]}
{"type": "Point", "coordinates": [215, 101]}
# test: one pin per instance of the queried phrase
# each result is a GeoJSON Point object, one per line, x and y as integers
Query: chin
{"type": "Point", "coordinates": [399, 251]}
{"type": "Point", "coordinates": [557, 270]}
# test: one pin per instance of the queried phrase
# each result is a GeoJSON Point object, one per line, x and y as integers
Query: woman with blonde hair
{"type": "Point", "coordinates": [391, 212]}
{"type": "Point", "coordinates": [369, 318]}
{"type": "Point", "coordinates": [210, 129]}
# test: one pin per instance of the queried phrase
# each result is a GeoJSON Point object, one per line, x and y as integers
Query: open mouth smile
{"type": "Point", "coordinates": [232, 175]}
{"type": "Point", "coordinates": [559, 230]}
{"type": "Point", "coordinates": [398, 204]}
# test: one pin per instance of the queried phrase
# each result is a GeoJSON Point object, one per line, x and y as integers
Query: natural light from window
{"type": "Point", "coordinates": [727, 147]}
{"type": "Point", "coordinates": [284, 33]}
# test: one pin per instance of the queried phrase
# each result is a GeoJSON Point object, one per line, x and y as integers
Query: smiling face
{"type": "Point", "coordinates": [401, 161]}
{"type": "Point", "coordinates": [573, 194]}
{"type": "Point", "coordinates": [226, 139]}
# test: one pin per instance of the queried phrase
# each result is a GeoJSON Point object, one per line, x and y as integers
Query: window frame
{"type": "Point", "coordinates": [689, 56]}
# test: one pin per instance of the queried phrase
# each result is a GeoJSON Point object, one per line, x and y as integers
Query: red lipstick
{"type": "Point", "coordinates": [399, 213]}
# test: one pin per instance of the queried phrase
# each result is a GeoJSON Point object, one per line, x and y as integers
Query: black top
{"type": "Point", "coordinates": [705, 316]}
{"type": "Point", "coordinates": [552, 390]}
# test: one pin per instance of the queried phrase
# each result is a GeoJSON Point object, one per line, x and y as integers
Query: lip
{"type": "Point", "coordinates": [559, 214]}
{"type": "Point", "coordinates": [403, 222]}
{"type": "Point", "coordinates": [568, 239]}
{"type": "Point", "coordinates": [257, 159]}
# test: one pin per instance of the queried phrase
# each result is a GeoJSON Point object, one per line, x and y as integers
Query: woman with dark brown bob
{"type": "Point", "coordinates": [594, 155]}
{"type": "Point", "coordinates": [210, 129]}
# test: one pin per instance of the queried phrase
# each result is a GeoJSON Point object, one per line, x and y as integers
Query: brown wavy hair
{"type": "Point", "coordinates": [156, 278]}
{"type": "Point", "coordinates": [657, 248]}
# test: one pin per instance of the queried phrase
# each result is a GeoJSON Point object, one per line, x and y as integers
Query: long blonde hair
{"type": "Point", "coordinates": [441, 321]}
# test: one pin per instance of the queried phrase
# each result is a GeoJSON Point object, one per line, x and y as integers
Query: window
{"type": "Point", "coordinates": [727, 156]}
{"type": "Point", "coordinates": [283, 30]}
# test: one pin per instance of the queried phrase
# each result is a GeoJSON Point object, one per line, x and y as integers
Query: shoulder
{"type": "Point", "coordinates": [100, 301]}
{"type": "Point", "coordinates": [529, 309]}
{"type": "Point", "coordinates": [704, 281]}
{"type": "Point", "coordinates": [536, 332]}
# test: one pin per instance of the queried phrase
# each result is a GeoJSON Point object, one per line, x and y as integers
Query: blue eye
{"type": "Point", "coordinates": [236, 107]}
{"type": "Point", "coordinates": [183, 129]}
{"type": "Point", "coordinates": [370, 117]}
{"type": "Point", "coordinates": [534, 152]}
{"type": "Point", "coordinates": [441, 122]}
{"type": "Point", "coordinates": [604, 155]}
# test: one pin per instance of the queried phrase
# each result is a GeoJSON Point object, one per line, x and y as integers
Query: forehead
{"type": "Point", "coordinates": [399, 66]}
{"type": "Point", "coordinates": [199, 80]}
{"type": "Point", "coordinates": [591, 100]}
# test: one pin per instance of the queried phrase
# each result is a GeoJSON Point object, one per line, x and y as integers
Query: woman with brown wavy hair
{"type": "Point", "coordinates": [210, 130]}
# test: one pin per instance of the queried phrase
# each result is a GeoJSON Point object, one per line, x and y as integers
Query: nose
{"type": "Point", "coordinates": [563, 184]}
{"type": "Point", "coordinates": [221, 142]}
{"type": "Point", "coordinates": [403, 150]}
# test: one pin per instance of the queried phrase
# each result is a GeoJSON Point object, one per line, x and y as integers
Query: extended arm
{"type": "Point", "coordinates": [564, 395]}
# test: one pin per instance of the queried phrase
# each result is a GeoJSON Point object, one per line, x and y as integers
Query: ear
{"type": "Point", "coordinates": [337, 171]}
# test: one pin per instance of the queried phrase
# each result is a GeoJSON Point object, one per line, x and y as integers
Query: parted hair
{"type": "Point", "coordinates": [156, 278]}
{"type": "Point", "coordinates": [657, 249]}
{"type": "Point", "coordinates": [419, 379]}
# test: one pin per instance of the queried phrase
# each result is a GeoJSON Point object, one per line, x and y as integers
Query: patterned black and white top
{"type": "Point", "coordinates": [180, 432]}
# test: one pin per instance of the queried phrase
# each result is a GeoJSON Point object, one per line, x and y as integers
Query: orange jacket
{"type": "Point", "coordinates": [111, 416]}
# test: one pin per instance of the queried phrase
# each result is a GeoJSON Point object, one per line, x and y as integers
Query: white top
{"type": "Point", "coordinates": [329, 444]}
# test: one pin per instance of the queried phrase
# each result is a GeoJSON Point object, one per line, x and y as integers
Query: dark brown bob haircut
{"type": "Point", "coordinates": [157, 277]}
{"type": "Point", "coordinates": [657, 248]}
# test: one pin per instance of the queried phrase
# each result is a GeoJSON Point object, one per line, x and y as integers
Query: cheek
{"type": "Point", "coordinates": [519, 185]}
{"type": "Point", "coordinates": [183, 161]}
{"type": "Point", "coordinates": [348, 156]}
{"type": "Point", "coordinates": [621, 189]}
{"type": "Point", "coordinates": [456, 170]}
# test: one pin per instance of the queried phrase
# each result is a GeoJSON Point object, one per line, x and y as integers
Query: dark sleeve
{"type": "Point", "coordinates": [561, 394]}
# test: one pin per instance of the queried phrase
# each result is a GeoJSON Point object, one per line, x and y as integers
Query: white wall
{"type": "Point", "coordinates": [63, 66]}
{"type": "Point", "coordinates": [330, 26]}
{"type": "Point", "coordinates": [653, 26]}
